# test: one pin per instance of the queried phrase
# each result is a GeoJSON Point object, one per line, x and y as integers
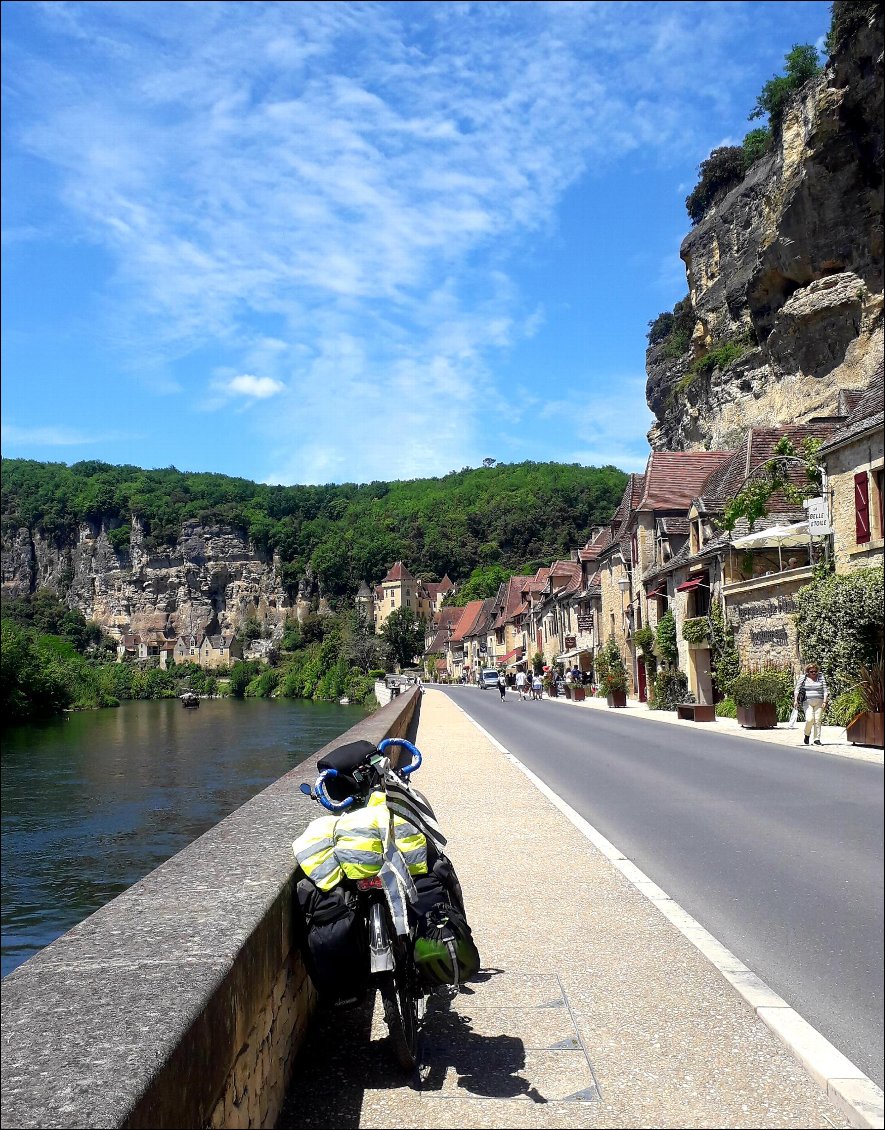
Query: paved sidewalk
{"type": "Point", "coordinates": [593, 1009]}
{"type": "Point", "coordinates": [833, 738]}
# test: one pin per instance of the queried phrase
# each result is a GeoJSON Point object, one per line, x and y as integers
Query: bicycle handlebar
{"type": "Point", "coordinates": [414, 764]}
{"type": "Point", "coordinates": [324, 798]}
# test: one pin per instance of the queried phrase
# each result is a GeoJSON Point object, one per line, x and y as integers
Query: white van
{"type": "Point", "coordinates": [488, 678]}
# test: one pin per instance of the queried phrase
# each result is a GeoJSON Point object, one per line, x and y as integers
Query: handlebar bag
{"type": "Point", "coordinates": [332, 936]}
{"type": "Point", "coordinates": [346, 758]}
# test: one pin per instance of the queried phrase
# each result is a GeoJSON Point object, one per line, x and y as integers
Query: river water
{"type": "Point", "coordinates": [93, 801]}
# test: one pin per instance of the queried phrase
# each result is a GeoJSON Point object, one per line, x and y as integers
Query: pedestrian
{"type": "Point", "coordinates": [811, 697]}
{"type": "Point", "coordinates": [520, 685]}
{"type": "Point", "coordinates": [502, 685]}
{"type": "Point", "coordinates": [537, 686]}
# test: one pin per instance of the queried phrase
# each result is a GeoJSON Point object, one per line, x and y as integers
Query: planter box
{"type": "Point", "coordinates": [696, 711]}
{"type": "Point", "coordinates": [578, 694]}
{"type": "Point", "coordinates": [867, 729]}
{"type": "Point", "coordinates": [758, 716]}
{"type": "Point", "coordinates": [617, 700]}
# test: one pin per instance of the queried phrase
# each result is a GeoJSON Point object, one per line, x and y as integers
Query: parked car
{"type": "Point", "coordinates": [488, 678]}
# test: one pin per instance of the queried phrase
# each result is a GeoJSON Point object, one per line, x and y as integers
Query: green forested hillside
{"type": "Point", "coordinates": [508, 514]}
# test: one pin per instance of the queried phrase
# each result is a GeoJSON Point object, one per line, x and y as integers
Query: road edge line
{"type": "Point", "coordinates": [850, 1091]}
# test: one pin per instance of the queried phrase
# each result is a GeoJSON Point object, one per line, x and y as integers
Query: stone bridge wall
{"type": "Point", "coordinates": [181, 1003]}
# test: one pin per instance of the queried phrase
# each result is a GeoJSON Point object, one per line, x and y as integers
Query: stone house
{"type": "Point", "coordinates": [855, 482]}
{"type": "Point", "coordinates": [554, 613]}
{"type": "Point", "coordinates": [616, 580]}
{"type": "Point", "coordinates": [754, 579]}
{"type": "Point", "coordinates": [220, 651]}
{"type": "Point", "coordinates": [464, 656]}
{"type": "Point", "coordinates": [187, 648]}
{"type": "Point", "coordinates": [509, 625]}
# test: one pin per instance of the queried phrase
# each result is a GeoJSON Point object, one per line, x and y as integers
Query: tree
{"type": "Point", "coordinates": [403, 635]}
{"type": "Point", "coordinates": [722, 171]}
{"type": "Point", "coordinates": [489, 462]}
{"type": "Point", "coordinates": [801, 63]}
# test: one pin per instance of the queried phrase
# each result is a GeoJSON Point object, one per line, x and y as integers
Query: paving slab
{"type": "Point", "coordinates": [592, 1008]}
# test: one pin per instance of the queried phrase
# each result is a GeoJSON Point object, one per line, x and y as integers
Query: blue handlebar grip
{"type": "Point", "coordinates": [324, 798]}
{"type": "Point", "coordinates": [414, 764]}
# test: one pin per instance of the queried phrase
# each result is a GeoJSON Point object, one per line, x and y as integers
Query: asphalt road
{"type": "Point", "coordinates": [777, 852]}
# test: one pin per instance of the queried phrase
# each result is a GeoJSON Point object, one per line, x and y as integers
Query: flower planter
{"type": "Point", "coordinates": [867, 729]}
{"type": "Point", "coordinates": [578, 694]}
{"type": "Point", "coordinates": [758, 716]}
{"type": "Point", "coordinates": [617, 700]}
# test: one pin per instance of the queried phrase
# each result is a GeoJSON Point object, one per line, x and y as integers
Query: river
{"type": "Point", "coordinates": [93, 801]}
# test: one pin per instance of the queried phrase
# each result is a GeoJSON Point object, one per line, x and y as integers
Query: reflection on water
{"type": "Point", "coordinates": [92, 802]}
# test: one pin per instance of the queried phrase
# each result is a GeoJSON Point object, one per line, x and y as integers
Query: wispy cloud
{"type": "Point", "coordinates": [14, 437]}
{"type": "Point", "coordinates": [334, 194]}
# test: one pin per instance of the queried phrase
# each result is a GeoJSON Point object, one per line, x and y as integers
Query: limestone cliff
{"type": "Point", "coordinates": [787, 270]}
{"type": "Point", "coordinates": [211, 580]}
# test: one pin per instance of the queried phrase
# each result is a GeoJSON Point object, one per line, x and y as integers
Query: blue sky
{"type": "Point", "coordinates": [337, 242]}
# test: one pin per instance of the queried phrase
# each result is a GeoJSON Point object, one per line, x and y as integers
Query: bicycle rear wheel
{"type": "Point", "coordinates": [399, 994]}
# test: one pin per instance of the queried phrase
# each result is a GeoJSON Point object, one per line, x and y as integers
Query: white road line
{"type": "Point", "coordinates": [855, 1094]}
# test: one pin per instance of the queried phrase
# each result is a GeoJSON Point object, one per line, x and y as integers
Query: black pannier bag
{"type": "Point", "coordinates": [333, 941]}
{"type": "Point", "coordinates": [443, 936]}
{"type": "Point", "coordinates": [346, 759]}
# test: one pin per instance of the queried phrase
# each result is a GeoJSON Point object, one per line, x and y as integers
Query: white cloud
{"type": "Point", "coordinates": [259, 388]}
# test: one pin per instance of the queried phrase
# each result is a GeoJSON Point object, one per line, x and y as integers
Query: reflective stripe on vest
{"type": "Point", "coordinates": [412, 844]}
{"type": "Point", "coordinates": [359, 839]}
{"type": "Point", "coordinates": [315, 853]}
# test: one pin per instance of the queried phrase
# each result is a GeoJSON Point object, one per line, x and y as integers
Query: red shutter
{"type": "Point", "coordinates": [861, 508]}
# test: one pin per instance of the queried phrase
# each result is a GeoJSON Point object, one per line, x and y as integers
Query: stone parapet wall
{"type": "Point", "coordinates": [182, 1002]}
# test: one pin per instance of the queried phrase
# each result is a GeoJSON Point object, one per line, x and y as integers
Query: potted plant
{"type": "Point", "coordinates": [868, 728]}
{"type": "Point", "coordinates": [757, 694]}
{"type": "Point", "coordinates": [612, 675]}
{"type": "Point", "coordinates": [578, 692]}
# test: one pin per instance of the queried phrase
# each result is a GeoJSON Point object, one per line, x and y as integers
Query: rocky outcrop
{"type": "Point", "coordinates": [211, 579]}
{"type": "Point", "coordinates": [787, 270]}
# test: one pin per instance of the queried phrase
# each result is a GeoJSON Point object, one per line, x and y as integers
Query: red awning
{"type": "Point", "coordinates": [515, 654]}
{"type": "Point", "coordinates": [657, 592]}
{"type": "Point", "coordinates": [689, 585]}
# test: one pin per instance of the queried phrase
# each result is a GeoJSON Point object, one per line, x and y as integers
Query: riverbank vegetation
{"type": "Point", "coordinates": [52, 660]}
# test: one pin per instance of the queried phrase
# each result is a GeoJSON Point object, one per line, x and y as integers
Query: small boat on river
{"type": "Point", "coordinates": [344, 701]}
{"type": "Point", "coordinates": [189, 700]}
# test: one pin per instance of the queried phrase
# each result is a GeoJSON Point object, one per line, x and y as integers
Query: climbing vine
{"type": "Point", "coordinates": [751, 502]}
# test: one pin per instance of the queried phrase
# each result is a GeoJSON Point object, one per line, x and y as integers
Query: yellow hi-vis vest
{"type": "Point", "coordinates": [412, 845]}
{"type": "Point", "coordinates": [315, 853]}
{"type": "Point", "coordinates": [360, 836]}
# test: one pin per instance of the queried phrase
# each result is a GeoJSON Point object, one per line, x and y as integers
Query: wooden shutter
{"type": "Point", "coordinates": [861, 508]}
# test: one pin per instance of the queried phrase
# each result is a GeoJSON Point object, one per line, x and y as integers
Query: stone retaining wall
{"type": "Point", "coordinates": [181, 1003]}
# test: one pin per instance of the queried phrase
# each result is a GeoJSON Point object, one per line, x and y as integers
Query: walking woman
{"type": "Point", "coordinates": [811, 696]}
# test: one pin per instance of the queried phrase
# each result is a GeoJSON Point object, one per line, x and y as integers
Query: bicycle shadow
{"type": "Point", "coordinates": [456, 1055]}
{"type": "Point", "coordinates": [341, 1061]}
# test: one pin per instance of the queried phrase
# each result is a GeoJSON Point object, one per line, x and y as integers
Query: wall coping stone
{"type": "Point", "coordinates": [136, 1016]}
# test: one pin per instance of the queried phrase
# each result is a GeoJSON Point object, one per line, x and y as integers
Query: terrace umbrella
{"type": "Point", "coordinates": [796, 534]}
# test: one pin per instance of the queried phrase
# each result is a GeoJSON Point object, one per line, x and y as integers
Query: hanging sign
{"type": "Point", "coordinates": [818, 518]}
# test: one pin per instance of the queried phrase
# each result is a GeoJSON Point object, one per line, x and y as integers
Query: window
{"type": "Point", "coordinates": [861, 508]}
{"type": "Point", "coordinates": [879, 479]}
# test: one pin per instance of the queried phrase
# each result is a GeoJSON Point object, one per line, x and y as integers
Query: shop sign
{"type": "Point", "coordinates": [818, 519]}
{"type": "Point", "coordinates": [585, 623]}
{"type": "Point", "coordinates": [570, 642]}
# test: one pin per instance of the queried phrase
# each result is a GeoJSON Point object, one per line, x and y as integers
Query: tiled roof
{"type": "Point", "coordinates": [447, 618]}
{"type": "Point", "coordinates": [867, 413]}
{"type": "Point", "coordinates": [758, 447]}
{"type": "Point", "coordinates": [674, 527]}
{"type": "Point", "coordinates": [471, 614]}
{"type": "Point", "coordinates": [571, 570]}
{"type": "Point", "coordinates": [673, 478]}
{"type": "Point", "coordinates": [396, 572]}
{"type": "Point", "coordinates": [513, 603]}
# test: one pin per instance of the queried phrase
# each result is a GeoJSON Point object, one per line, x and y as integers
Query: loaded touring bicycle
{"type": "Point", "coordinates": [380, 904]}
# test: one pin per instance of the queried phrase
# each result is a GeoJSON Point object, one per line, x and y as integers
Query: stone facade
{"type": "Point", "coordinates": [864, 457]}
